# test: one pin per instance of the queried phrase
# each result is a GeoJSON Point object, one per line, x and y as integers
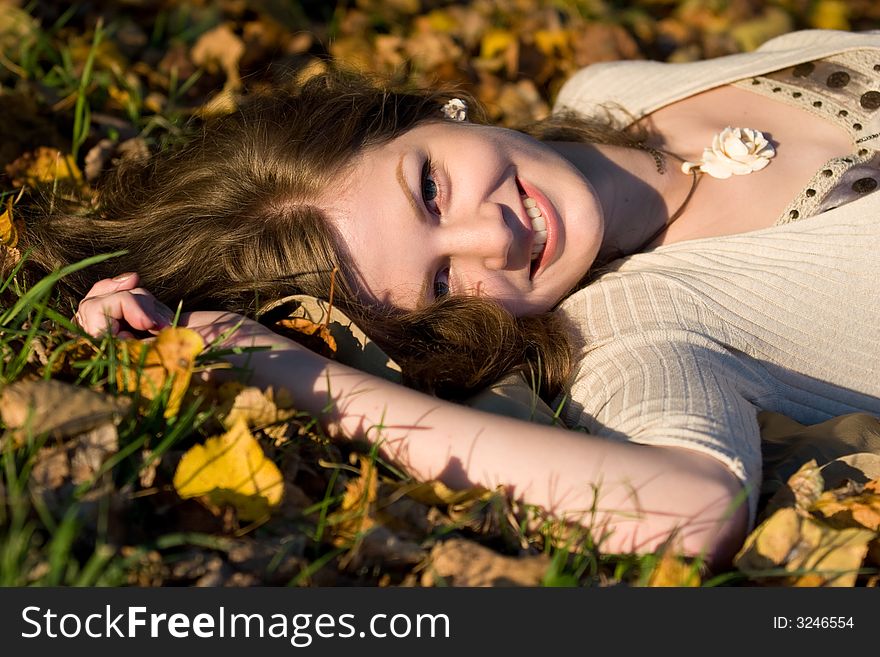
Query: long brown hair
{"type": "Point", "coordinates": [230, 221]}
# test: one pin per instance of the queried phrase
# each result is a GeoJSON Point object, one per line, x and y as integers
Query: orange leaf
{"type": "Point", "coordinates": [323, 340]}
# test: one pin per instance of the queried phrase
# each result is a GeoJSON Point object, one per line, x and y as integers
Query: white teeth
{"type": "Point", "coordinates": [539, 226]}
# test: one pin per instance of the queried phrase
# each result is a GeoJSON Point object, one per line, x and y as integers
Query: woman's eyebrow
{"type": "Point", "coordinates": [401, 178]}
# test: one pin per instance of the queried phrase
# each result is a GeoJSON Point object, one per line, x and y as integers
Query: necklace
{"type": "Point", "coordinates": [695, 173]}
{"type": "Point", "coordinates": [734, 152]}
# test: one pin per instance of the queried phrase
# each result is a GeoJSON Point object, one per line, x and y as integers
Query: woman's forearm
{"type": "Point", "coordinates": [640, 494]}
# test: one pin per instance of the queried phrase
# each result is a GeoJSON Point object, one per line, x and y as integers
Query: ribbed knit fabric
{"type": "Point", "coordinates": [683, 345]}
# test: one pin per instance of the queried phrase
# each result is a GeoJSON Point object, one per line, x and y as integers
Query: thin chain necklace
{"type": "Point", "coordinates": [660, 162]}
{"type": "Point", "coordinates": [734, 152]}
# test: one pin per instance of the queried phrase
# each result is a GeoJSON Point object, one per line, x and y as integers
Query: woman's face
{"type": "Point", "coordinates": [445, 209]}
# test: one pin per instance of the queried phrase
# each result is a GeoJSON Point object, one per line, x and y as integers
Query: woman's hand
{"type": "Point", "coordinates": [119, 305]}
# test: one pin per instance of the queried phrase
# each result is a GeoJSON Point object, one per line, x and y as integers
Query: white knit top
{"type": "Point", "coordinates": [684, 344]}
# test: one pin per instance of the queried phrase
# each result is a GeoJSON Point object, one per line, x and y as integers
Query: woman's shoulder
{"type": "Point", "coordinates": [632, 89]}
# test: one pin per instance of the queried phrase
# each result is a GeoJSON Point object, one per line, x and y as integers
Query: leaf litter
{"type": "Point", "coordinates": [232, 484]}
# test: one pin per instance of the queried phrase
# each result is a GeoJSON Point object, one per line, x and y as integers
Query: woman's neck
{"type": "Point", "coordinates": [637, 199]}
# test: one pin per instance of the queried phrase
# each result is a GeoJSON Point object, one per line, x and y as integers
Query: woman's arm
{"type": "Point", "coordinates": [638, 495]}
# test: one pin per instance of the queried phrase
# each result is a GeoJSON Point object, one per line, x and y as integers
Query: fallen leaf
{"type": "Point", "coordinates": [260, 411]}
{"type": "Point", "coordinates": [32, 408]}
{"type": "Point", "coordinates": [169, 360]}
{"type": "Point", "coordinates": [220, 49]}
{"type": "Point", "coordinates": [436, 493]}
{"type": "Point", "coordinates": [461, 562]}
{"type": "Point", "coordinates": [231, 469]}
{"type": "Point", "coordinates": [801, 490]}
{"type": "Point", "coordinates": [321, 341]}
{"type": "Point", "coordinates": [861, 510]}
{"type": "Point", "coordinates": [10, 228]}
{"type": "Point", "coordinates": [45, 167]}
{"type": "Point", "coordinates": [828, 556]}
{"type": "Point", "coordinates": [91, 450]}
{"type": "Point", "coordinates": [814, 553]}
{"type": "Point", "coordinates": [769, 545]}
{"type": "Point", "coordinates": [355, 511]}
{"type": "Point", "coordinates": [672, 570]}
{"type": "Point", "coordinates": [830, 15]}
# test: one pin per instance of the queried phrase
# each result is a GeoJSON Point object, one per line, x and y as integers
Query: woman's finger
{"type": "Point", "coordinates": [96, 315]}
{"type": "Point", "coordinates": [126, 281]}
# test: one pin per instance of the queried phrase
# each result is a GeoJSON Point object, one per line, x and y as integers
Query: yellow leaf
{"type": "Point", "coordinates": [436, 493]}
{"type": "Point", "coordinates": [441, 21]}
{"type": "Point", "coordinates": [830, 15]}
{"type": "Point", "coordinates": [8, 229]}
{"type": "Point", "coordinates": [496, 42]}
{"type": "Point", "coordinates": [828, 556]}
{"type": "Point", "coordinates": [671, 570]}
{"type": "Point", "coordinates": [45, 166]}
{"type": "Point", "coordinates": [861, 510]}
{"type": "Point", "coordinates": [771, 542]}
{"type": "Point", "coordinates": [231, 469]}
{"type": "Point", "coordinates": [806, 484]}
{"type": "Point", "coordinates": [170, 357]}
{"type": "Point", "coordinates": [358, 501]}
{"type": "Point", "coordinates": [552, 42]}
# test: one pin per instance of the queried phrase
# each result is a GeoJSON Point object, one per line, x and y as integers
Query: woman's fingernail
{"type": "Point", "coordinates": [123, 277]}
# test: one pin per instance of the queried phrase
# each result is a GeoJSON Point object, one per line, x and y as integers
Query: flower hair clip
{"type": "Point", "coordinates": [455, 109]}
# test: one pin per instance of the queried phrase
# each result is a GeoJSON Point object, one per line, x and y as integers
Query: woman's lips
{"type": "Point", "coordinates": [552, 220]}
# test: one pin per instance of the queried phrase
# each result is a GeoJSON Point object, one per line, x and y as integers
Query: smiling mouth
{"type": "Point", "coordinates": [539, 229]}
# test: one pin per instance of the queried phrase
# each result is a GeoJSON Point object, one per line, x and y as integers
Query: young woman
{"type": "Point", "coordinates": [664, 278]}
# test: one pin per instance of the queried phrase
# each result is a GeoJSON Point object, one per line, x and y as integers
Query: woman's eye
{"type": "Point", "coordinates": [441, 283]}
{"type": "Point", "coordinates": [430, 190]}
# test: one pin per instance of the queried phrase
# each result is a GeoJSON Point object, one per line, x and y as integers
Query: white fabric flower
{"type": "Point", "coordinates": [734, 152]}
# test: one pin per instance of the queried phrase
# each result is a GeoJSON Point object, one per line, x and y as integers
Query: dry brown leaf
{"type": "Point", "coordinates": [92, 449]}
{"type": "Point", "coordinates": [260, 411]}
{"type": "Point", "coordinates": [170, 357]}
{"type": "Point", "coordinates": [220, 49]}
{"type": "Point", "coordinates": [672, 570]}
{"type": "Point", "coordinates": [460, 562]}
{"type": "Point", "coordinates": [231, 469]}
{"type": "Point", "coordinates": [60, 469]}
{"type": "Point", "coordinates": [32, 408]}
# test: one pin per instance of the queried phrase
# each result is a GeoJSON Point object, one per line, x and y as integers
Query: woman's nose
{"type": "Point", "coordinates": [482, 235]}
